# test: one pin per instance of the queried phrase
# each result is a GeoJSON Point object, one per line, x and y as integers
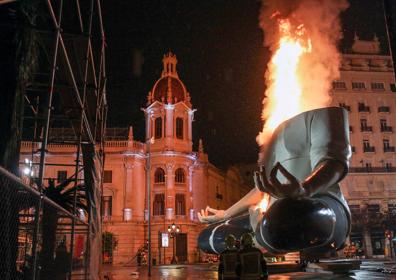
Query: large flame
{"type": "Point", "coordinates": [299, 73]}
{"type": "Point", "coordinates": [284, 92]}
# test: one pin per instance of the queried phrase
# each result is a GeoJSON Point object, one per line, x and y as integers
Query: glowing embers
{"type": "Point", "coordinates": [283, 78]}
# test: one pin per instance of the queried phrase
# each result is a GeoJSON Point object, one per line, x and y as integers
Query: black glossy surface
{"type": "Point", "coordinates": [236, 226]}
{"type": "Point", "coordinates": [296, 224]}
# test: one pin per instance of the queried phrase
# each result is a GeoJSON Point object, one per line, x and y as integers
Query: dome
{"type": "Point", "coordinates": [169, 85]}
{"type": "Point", "coordinates": [169, 88]}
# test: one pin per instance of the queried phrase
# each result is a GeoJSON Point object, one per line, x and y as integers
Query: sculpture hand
{"type": "Point", "coordinates": [204, 216]}
{"type": "Point", "coordinates": [293, 188]}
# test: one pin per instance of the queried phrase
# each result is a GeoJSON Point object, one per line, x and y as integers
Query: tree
{"type": "Point", "coordinates": [109, 244]}
{"type": "Point", "coordinates": [18, 61]}
{"type": "Point", "coordinates": [63, 195]}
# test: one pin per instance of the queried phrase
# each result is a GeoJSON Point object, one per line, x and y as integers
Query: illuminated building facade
{"type": "Point", "coordinates": [183, 181]}
{"type": "Point", "coordinates": [367, 89]}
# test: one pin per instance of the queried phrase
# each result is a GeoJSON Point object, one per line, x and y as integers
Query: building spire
{"type": "Point", "coordinates": [169, 91]}
{"type": "Point", "coordinates": [169, 61]}
{"type": "Point", "coordinates": [201, 147]}
{"type": "Point", "coordinates": [130, 134]}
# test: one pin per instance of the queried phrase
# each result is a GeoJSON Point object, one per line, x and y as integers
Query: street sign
{"type": "Point", "coordinates": [164, 239]}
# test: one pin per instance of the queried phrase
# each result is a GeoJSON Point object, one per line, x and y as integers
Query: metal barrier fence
{"type": "Point", "coordinates": [23, 231]}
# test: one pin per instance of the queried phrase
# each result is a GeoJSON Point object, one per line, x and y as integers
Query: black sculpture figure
{"type": "Point", "coordinates": [306, 158]}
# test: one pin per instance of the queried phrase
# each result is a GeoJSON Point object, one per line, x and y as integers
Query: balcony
{"type": "Point", "coordinates": [368, 149]}
{"type": "Point", "coordinates": [386, 129]}
{"type": "Point", "coordinates": [389, 149]}
{"type": "Point", "coordinates": [383, 109]}
{"type": "Point", "coordinates": [366, 128]}
{"type": "Point", "coordinates": [372, 169]}
{"type": "Point", "coordinates": [363, 108]}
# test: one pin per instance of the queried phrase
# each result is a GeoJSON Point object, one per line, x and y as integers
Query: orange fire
{"type": "Point", "coordinates": [284, 89]}
{"type": "Point", "coordinates": [264, 203]}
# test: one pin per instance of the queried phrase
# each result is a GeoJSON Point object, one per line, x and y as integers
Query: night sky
{"type": "Point", "coordinates": [221, 61]}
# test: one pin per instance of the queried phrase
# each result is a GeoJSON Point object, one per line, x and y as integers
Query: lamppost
{"type": "Point", "coordinates": [148, 179]}
{"type": "Point", "coordinates": [173, 231]}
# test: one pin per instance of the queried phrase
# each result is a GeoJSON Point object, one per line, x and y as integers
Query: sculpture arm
{"type": "Point", "coordinates": [328, 173]}
{"type": "Point", "coordinates": [251, 198]}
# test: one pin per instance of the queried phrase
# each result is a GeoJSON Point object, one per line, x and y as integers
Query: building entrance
{"type": "Point", "coordinates": [181, 247]}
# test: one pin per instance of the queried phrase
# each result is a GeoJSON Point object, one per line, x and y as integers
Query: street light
{"type": "Point", "coordinates": [148, 179]}
{"type": "Point", "coordinates": [173, 231]}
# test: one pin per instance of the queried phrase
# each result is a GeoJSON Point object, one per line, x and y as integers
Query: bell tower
{"type": "Point", "coordinates": [169, 113]}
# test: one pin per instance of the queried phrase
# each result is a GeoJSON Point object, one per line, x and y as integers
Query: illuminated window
{"type": "Point", "coordinates": [158, 128]}
{"type": "Point", "coordinates": [367, 148]}
{"type": "Point", "coordinates": [377, 86]}
{"type": "Point", "coordinates": [180, 204]}
{"type": "Point", "coordinates": [338, 85]}
{"type": "Point", "coordinates": [61, 176]}
{"type": "Point", "coordinates": [358, 85]}
{"type": "Point", "coordinates": [179, 128]}
{"type": "Point", "coordinates": [386, 143]}
{"type": "Point", "coordinates": [179, 175]}
{"type": "Point", "coordinates": [107, 176]}
{"type": "Point", "coordinates": [159, 204]}
{"type": "Point", "coordinates": [107, 202]}
{"type": "Point", "coordinates": [159, 176]}
{"type": "Point", "coordinates": [373, 208]}
{"type": "Point", "coordinates": [363, 108]}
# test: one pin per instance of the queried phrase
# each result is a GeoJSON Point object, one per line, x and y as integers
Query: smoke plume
{"type": "Point", "coordinates": [317, 68]}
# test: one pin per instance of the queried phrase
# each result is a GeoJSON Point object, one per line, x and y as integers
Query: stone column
{"type": "Point", "coordinates": [170, 187]}
{"type": "Point", "coordinates": [169, 120]}
{"type": "Point", "coordinates": [148, 126]}
{"type": "Point", "coordinates": [169, 124]}
{"type": "Point", "coordinates": [367, 244]}
{"type": "Point", "coordinates": [190, 193]}
{"type": "Point", "coordinates": [139, 191]}
{"type": "Point", "coordinates": [128, 183]}
{"type": "Point", "coordinates": [189, 125]}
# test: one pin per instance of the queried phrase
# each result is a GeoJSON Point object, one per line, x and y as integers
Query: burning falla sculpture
{"type": "Point", "coordinates": [300, 168]}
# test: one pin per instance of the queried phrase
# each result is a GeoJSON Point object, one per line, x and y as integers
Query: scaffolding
{"type": "Point", "coordinates": [69, 91]}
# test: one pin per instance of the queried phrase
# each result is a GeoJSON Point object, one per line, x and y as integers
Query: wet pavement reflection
{"type": "Point", "coordinates": [207, 271]}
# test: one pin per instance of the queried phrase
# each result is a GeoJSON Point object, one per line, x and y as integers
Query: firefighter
{"type": "Point", "coordinates": [251, 262]}
{"type": "Point", "coordinates": [228, 260]}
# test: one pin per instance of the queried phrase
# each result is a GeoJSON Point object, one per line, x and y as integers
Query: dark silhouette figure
{"type": "Point", "coordinates": [229, 260]}
{"type": "Point", "coordinates": [61, 262]}
{"type": "Point", "coordinates": [251, 262]}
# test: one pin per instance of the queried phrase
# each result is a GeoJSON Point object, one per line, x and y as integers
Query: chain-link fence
{"type": "Point", "coordinates": [37, 239]}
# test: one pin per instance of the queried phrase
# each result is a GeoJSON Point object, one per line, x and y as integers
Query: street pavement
{"type": "Point", "coordinates": [368, 271]}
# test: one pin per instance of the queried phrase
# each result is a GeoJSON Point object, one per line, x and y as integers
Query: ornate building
{"type": "Point", "coordinates": [367, 89]}
{"type": "Point", "coordinates": [183, 181]}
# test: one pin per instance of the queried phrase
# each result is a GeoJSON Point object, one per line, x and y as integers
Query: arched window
{"type": "Point", "coordinates": [159, 204]}
{"type": "Point", "coordinates": [179, 128]}
{"type": "Point", "coordinates": [180, 204]}
{"type": "Point", "coordinates": [159, 176]}
{"type": "Point", "coordinates": [158, 128]}
{"type": "Point", "coordinates": [179, 176]}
